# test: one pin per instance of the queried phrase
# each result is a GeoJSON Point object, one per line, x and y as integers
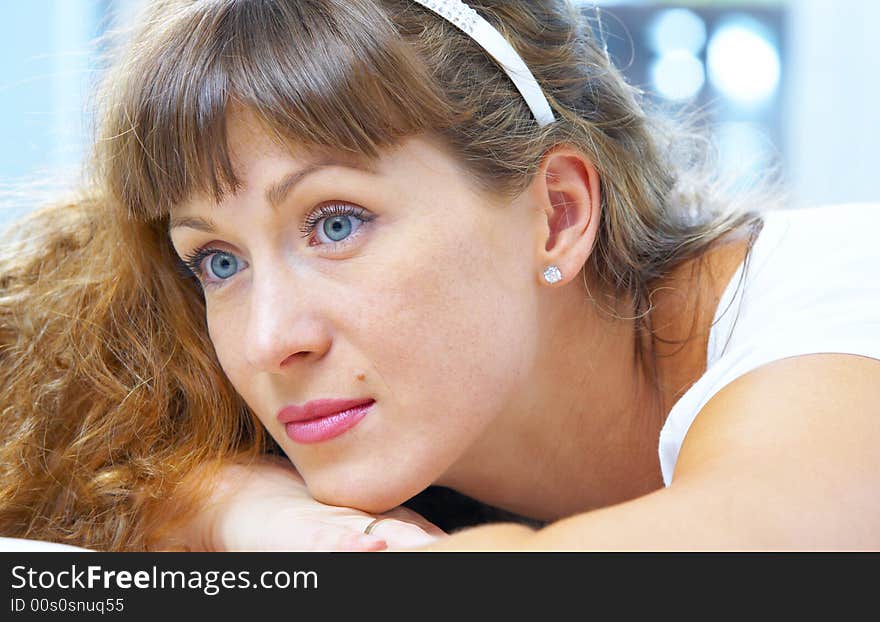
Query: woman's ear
{"type": "Point", "coordinates": [568, 198]}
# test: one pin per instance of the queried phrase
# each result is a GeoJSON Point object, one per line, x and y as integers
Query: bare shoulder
{"type": "Point", "coordinates": [784, 458]}
{"type": "Point", "coordinates": [798, 439]}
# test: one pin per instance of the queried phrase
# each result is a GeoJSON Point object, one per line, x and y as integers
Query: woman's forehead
{"type": "Point", "coordinates": [252, 142]}
{"type": "Point", "coordinates": [269, 165]}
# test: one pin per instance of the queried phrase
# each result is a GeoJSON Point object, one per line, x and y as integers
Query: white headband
{"type": "Point", "coordinates": [469, 21]}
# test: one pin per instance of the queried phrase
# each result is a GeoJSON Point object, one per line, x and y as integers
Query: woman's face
{"type": "Point", "coordinates": [400, 285]}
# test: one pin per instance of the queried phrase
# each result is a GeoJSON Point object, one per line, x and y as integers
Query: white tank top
{"type": "Point", "coordinates": [812, 284]}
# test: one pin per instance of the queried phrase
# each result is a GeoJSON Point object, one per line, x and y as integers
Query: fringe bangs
{"type": "Point", "coordinates": [326, 76]}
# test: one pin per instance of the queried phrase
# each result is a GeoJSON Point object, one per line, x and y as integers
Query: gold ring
{"type": "Point", "coordinates": [369, 528]}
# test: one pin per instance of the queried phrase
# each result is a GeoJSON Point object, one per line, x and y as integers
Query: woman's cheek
{"type": "Point", "coordinates": [444, 325]}
{"type": "Point", "coordinates": [227, 346]}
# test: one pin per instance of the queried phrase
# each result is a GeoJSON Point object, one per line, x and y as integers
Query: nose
{"type": "Point", "coordinates": [285, 323]}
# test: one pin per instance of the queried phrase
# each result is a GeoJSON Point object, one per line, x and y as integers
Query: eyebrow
{"type": "Point", "coordinates": [275, 193]}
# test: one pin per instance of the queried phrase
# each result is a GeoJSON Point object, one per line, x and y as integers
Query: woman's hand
{"type": "Point", "coordinates": [265, 506]}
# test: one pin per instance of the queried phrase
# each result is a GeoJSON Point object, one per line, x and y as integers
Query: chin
{"type": "Point", "coordinates": [370, 504]}
{"type": "Point", "coordinates": [370, 497]}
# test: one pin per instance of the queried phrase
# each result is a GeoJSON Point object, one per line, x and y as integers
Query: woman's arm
{"type": "Point", "coordinates": [785, 457]}
{"type": "Point", "coordinates": [265, 506]}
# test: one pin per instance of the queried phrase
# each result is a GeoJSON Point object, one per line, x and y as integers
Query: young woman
{"type": "Point", "coordinates": [405, 247]}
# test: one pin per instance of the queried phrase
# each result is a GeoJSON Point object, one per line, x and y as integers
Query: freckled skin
{"type": "Point", "coordinates": [436, 301]}
{"type": "Point", "coordinates": [486, 379]}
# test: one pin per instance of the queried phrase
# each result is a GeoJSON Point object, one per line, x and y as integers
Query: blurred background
{"type": "Point", "coordinates": [790, 84]}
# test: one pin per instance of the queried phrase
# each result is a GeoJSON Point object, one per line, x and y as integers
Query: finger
{"type": "Point", "coordinates": [333, 539]}
{"type": "Point", "coordinates": [402, 534]}
{"type": "Point", "coordinates": [409, 516]}
{"type": "Point", "coordinates": [362, 542]}
{"type": "Point", "coordinates": [434, 530]}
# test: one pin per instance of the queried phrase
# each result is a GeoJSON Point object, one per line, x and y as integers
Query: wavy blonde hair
{"type": "Point", "coordinates": [113, 396]}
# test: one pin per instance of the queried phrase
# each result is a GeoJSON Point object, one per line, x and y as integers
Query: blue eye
{"type": "Point", "coordinates": [219, 267]}
{"type": "Point", "coordinates": [340, 221]}
{"type": "Point", "coordinates": [223, 265]}
{"type": "Point", "coordinates": [338, 228]}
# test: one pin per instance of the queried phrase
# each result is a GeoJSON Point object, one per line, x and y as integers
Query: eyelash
{"type": "Point", "coordinates": [191, 264]}
{"type": "Point", "coordinates": [328, 210]}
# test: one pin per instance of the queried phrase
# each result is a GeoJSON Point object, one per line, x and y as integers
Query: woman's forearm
{"type": "Point", "coordinates": [215, 487]}
{"type": "Point", "coordinates": [667, 519]}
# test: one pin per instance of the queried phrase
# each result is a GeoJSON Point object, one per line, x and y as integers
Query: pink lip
{"type": "Point", "coordinates": [320, 420]}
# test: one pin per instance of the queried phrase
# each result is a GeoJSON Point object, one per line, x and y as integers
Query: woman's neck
{"type": "Point", "coordinates": [583, 433]}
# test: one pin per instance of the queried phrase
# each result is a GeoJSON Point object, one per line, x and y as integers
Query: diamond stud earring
{"type": "Point", "coordinates": [552, 274]}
